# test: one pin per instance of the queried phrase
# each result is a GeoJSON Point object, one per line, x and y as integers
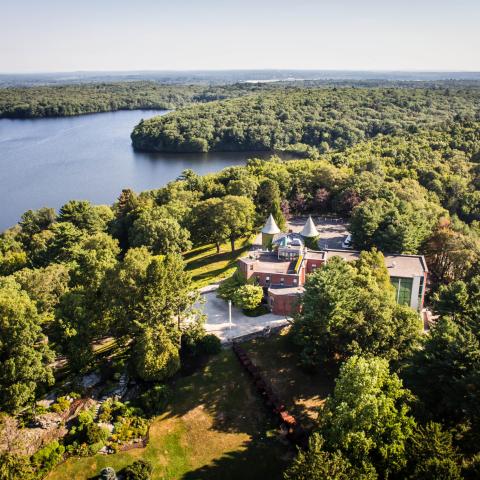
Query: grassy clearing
{"type": "Point", "coordinates": [207, 266]}
{"type": "Point", "coordinates": [302, 393]}
{"type": "Point", "coordinates": [216, 428]}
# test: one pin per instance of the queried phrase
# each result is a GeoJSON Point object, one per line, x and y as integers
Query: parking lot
{"type": "Point", "coordinates": [333, 231]}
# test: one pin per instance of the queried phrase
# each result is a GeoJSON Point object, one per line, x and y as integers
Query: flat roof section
{"type": "Point", "coordinates": [268, 263]}
{"type": "Point", "coordinates": [286, 290]}
{"type": "Point", "coordinates": [405, 266]}
{"type": "Point", "coordinates": [314, 255]}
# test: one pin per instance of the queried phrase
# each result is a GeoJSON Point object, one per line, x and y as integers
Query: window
{"type": "Point", "coordinates": [294, 281]}
{"type": "Point", "coordinates": [314, 265]}
{"type": "Point", "coordinates": [420, 291]}
{"type": "Point", "coordinates": [403, 289]}
{"type": "Point", "coordinates": [251, 267]}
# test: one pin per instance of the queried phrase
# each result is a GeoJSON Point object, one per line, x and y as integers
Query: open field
{"type": "Point", "coordinates": [217, 427]}
{"type": "Point", "coordinates": [207, 266]}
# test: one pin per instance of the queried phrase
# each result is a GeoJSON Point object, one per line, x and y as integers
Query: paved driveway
{"type": "Point", "coordinates": [216, 310]}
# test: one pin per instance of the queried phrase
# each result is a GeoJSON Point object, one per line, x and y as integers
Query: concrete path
{"type": "Point", "coordinates": [216, 310]}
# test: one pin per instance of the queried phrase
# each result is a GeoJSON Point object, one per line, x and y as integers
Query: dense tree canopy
{"type": "Point", "coordinates": [24, 353]}
{"type": "Point", "coordinates": [323, 118]}
{"type": "Point", "coordinates": [349, 308]}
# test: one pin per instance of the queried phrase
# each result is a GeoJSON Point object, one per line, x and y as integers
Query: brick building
{"type": "Point", "coordinates": [282, 271]}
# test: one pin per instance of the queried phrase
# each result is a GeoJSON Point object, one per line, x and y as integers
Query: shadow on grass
{"type": "Point", "coordinates": [260, 460]}
{"type": "Point", "coordinates": [302, 392]}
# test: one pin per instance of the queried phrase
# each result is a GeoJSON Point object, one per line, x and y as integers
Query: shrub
{"type": "Point", "coordinates": [108, 473]}
{"type": "Point", "coordinates": [209, 344]}
{"type": "Point", "coordinates": [47, 457]}
{"type": "Point", "coordinates": [191, 337]}
{"type": "Point", "coordinates": [138, 470]}
{"type": "Point", "coordinates": [61, 405]}
{"type": "Point", "coordinates": [129, 428]}
{"type": "Point", "coordinates": [229, 286]}
{"type": "Point", "coordinates": [257, 312]}
{"type": "Point", "coordinates": [248, 297]}
{"type": "Point", "coordinates": [95, 434]}
{"type": "Point", "coordinates": [155, 399]}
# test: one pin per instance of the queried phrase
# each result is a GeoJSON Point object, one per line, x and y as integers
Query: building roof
{"type": "Point", "coordinates": [315, 255]}
{"type": "Point", "coordinates": [268, 263]}
{"type": "Point", "coordinates": [405, 266]}
{"type": "Point", "coordinates": [286, 290]}
{"type": "Point", "coordinates": [309, 230]}
{"type": "Point", "coordinates": [270, 226]}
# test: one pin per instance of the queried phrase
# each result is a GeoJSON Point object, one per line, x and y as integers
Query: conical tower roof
{"type": "Point", "coordinates": [270, 226]}
{"type": "Point", "coordinates": [309, 229]}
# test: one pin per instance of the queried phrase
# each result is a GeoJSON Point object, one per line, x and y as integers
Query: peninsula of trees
{"type": "Point", "coordinates": [68, 100]}
{"type": "Point", "coordinates": [322, 118]}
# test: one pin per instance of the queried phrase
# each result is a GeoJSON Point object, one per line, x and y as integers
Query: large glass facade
{"type": "Point", "coordinates": [403, 289]}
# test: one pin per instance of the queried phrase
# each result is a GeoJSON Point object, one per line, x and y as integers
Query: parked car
{"type": "Point", "coordinates": [347, 243]}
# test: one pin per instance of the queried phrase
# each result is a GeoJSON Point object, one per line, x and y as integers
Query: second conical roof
{"type": "Point", "coordinates": [309, 229]}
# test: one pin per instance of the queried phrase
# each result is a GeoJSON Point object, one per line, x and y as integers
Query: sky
{"type": "Point", "coordinates": [106, 35]}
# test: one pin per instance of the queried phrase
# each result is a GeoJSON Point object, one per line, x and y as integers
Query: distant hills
{"type": "Point", "coordinates": [228, 76]}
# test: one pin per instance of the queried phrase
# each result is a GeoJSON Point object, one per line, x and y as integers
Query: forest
{"type": "Point", "coordinates": [401, 165]}
{"type": "Point", "coordinates": [329, 118]}
{"type": "Point", "coordinates": [67, 100]}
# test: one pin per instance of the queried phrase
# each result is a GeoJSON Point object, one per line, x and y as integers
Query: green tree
{"type": "Point", "coordinates": [161, 233]}
{"type": "Point", "coordinates": [85, 216]}
{"type": "Point", "coordinates": [268, 201]}
{"type": "Point", "coordinates": [24, 353]}
{"type": "Point", "coordinates": [237, 216]}
{"type": "Point", "coordinates": [445, 374]}
{"type": "Point", "coordinates": [44, 286]}
{"type": "Point", "coordinates": [367, 417]}
{"type": "Point", "coordinates": [156, 355]}
{"type": "Point", "coordinates": [317, 464]}
{"type": "Point", "coordinates": [147, 300]}
{"type": "Point", "coordinates": [206, 224]}
{"type": "Point", "coordinates": [248, 297]}
{"type": "Point", "coordinates": [432, 455]}
{"type": "Point", "coordinates": [80, 313]}
{"type": "Point", "coordinates": [349, 308]}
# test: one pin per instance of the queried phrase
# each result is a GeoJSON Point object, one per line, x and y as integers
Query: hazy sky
{"type": "Point", "coordinates": [67, 35]}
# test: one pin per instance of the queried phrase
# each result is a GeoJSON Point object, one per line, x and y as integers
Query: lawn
{"type": "Point", "coordinates": [302, 393]}
{"type": "Point", "coordinates": [207, 266]}
{"type": "Point", "coordinates": [217, 427]}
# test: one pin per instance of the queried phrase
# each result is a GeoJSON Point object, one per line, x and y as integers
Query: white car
{"type": "Point", "coordinates": [347, 243]}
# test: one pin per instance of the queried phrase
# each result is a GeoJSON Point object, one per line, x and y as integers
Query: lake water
{"type": "Point", "coordinates": [46, 162]}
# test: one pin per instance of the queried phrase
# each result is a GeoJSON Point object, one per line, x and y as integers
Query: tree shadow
{"type": "Point", "coordinates": [263, 453]}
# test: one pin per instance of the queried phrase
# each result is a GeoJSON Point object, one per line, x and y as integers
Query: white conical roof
{"type": "Point", "coordinates": [309, 229]}
{"type": "Point", "coordinates": [270, 227]}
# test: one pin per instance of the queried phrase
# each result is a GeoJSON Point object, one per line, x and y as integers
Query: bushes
{"type": "Point", "coordinates": [138, 470]}
{"type": "Point", "coordinates": [155, 399]}
{"type": "Point", "coordinates": [46, 458]}
{"type": "Point", "coordinates": [108, 473]}
{"type": "Point", "coordinates": [248, 297]}
{"type": "Point", "coordinates": [209, 345]}
{"type": "Point", "coordinates": [129, 428]}
{"type": "Point", "coordinates": [61, 405]}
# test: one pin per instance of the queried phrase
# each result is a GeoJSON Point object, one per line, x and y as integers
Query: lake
{"type": "Point", "coordinates": [48, 161]}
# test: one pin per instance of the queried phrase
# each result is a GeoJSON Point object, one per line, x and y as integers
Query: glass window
{"type": "Point", "coordinates": [403, 289]}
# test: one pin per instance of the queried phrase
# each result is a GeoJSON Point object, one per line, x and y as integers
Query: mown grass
{"type": "Point", "coordinates": [216, 428]}
{"type": "Point", "coordinates": [303, 393]}
{"type": "Point", "coordinates": [207, 266]}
